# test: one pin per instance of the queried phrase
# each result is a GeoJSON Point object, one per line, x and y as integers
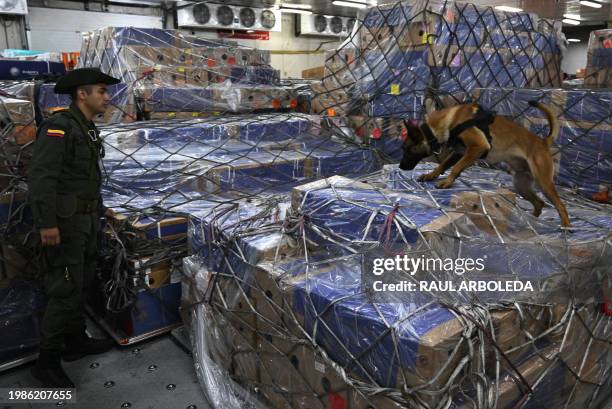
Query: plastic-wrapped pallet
{"type": "Point", "coordinates": [299, 330]}
{"type": "Point", "coordinates": [17, 122]}
{"type": "Point", "coordinates": [168, 74]}
{"type": "Point", "coordinates": [404, 48]}
{"type": "Point", "coordinates": [599, 59]}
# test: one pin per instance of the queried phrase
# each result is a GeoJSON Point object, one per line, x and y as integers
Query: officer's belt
{"type": "Point", "coordinates": [86, 206]}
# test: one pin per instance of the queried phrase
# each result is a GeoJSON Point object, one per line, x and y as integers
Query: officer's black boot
{"type": "Point", "coordinates": [48, 370]}
{"type": "Point", "coordinates": [78, 346]}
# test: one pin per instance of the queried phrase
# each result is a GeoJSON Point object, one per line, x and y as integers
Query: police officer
{"type": "Point", "coordinates": [64, 193]}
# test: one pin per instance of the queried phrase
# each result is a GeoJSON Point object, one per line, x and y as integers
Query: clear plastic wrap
{"type": "Point", "coordinates": [166, 72]}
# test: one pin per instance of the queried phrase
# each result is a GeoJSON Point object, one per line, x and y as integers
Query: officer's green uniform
{"type": "Point", "coordinates": [64, 191]}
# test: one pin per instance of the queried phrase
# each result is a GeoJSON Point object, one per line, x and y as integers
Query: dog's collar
{"type": "Point", "coordinates": [432, 141]}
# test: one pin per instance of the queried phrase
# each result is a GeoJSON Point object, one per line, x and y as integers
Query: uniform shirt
{"type": "Point", "coordinates": [64, 167]}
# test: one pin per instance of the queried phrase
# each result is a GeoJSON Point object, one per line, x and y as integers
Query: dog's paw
{"type": "Point", "coordinates": [445, 183]}
{"type": "Point", "coordinates": [426, 177]}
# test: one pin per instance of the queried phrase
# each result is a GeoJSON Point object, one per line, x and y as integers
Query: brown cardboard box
{"type": "Point", "coordinates": [321, 374]}
{"type": "Point", "coordinates": [342, 59]}
{"type": "Point", "coordinates": [255, 57]}
{"type": "Point", "coordinates": [243, 358]}
{"type": "Point", "coordinates": [230, 298]}
{"type": "Point", "coordinates": [22, 134]}
{"type": "Point", "coordinates": [239, 99]}
{"type": "Point", "coordinates": [309, 381]}
{"type": "Point", "coordinates": [16, 111]}
{"type": "Point", "coordinates": [330, 100]}
{"type": "Point", "coordinates": [161, 75]}
{"type": "Point", "coordinates": [315, 73]}
{"type": "Point", "coordinates": [276, 322]}
{"type": "Point", "coordinates": [198, 77]}
{"type": "Point", "coordinates": [598, 77]}
{"type": "Point", "coordinates": [287, 372]}
{"type": "Point", "coordinates": [176, 115]}
{"type": "Point", "coordinates": [154, 275]}
{"type": "Point", "coordinates": [366, 128]}
{"type": "Point", "coordinates": [403, 36]}
{"type": "Point", "coordinates": [510, 388]}
{"type": "Point", "coordinates": [136, 55]}
{"type": "Point", "coordinates": [498, 206]}
{"type": "Point", "coordinates": [213, 57]}
{"type": "Point", "coordinates": [276, 398]}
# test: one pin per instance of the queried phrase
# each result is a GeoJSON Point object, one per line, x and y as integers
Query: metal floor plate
{"type": "Point", "coordinates": [140, 375]}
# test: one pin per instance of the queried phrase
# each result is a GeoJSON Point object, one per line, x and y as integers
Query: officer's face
{"type": "Point", "coordinates": [97, 99]}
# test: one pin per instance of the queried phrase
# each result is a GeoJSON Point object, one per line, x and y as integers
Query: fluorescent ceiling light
{"type": "Point", "coordinates": [297, 6]}
{"type": "Point", "coordinates": [590, 4]}
{"type": "Point", "coordinates": [570, 21]}
{"type": "Point", "coordinates": [573, 40]}
{"type": "Point", "coordinates": [572, 16]}
{"type": "Point", "coordinates": [295, 11]}
{"type": "Point", "coordinates": [508, 8]}
{"type": "Point", "coordinates": [349, 4]}
{"type": "Point", "coordinates": [250, 31]}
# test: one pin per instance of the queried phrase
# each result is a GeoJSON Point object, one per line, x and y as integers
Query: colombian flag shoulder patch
{"type": "Point", "coordinates": [56, 133]}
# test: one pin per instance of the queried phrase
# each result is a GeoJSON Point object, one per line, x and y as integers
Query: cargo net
{"type": "Point", "coordinates": [283, 213]}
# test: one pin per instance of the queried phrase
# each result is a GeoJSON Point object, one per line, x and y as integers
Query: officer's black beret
{"type": "Point", "coordinates": [82, 76]}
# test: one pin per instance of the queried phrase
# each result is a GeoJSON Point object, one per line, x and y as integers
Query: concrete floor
{"type": "Point", "coordinates": [135, 383]}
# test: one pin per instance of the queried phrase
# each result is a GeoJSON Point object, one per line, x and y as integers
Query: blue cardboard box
{"type": "Point", "coordinates": [154, 309]}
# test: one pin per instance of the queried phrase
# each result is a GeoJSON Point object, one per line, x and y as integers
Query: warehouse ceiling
{"type": "Point", "coordinates": [544, 8]}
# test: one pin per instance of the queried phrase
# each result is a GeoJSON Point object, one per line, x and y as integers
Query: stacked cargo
{"type": "Point", "coordinates": [599, 59]}
{"type": "Point", "coordinates": [408, 56]}
{"type": "Point", "coordinates": [301, 329]}
{"type": "Point", "coordinates": [189, 168]}
{"type": "Point", "coordinates": [278, 289]}
{"type": "Point", "coordinates": [168, 72]}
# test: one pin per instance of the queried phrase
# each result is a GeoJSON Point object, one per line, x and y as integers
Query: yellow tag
{"type": "Point", "coordinates": [171, 114]}
{"type": "Point", "coordinates": [157, 68]}
{"type": "Point", "coordinates": [181, 69]}
{"type": "Point", "coordinates": [194, 114]}
{"type": "Point", "coordinates": [395, 89]}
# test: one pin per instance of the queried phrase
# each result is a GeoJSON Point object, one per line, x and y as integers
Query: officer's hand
{"type": "Point", "coordinates": [110, 214]}
{"type": "Point", "coordinates": [50, 237]}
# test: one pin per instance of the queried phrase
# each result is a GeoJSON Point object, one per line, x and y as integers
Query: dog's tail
{"type": "Point", "coordinates": [552, 121]}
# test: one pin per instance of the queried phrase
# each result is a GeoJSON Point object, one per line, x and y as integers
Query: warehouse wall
{"type": "Point", "coordinates": [284, 46]}
{"type": "Point", "coordinates": [575, 58]}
